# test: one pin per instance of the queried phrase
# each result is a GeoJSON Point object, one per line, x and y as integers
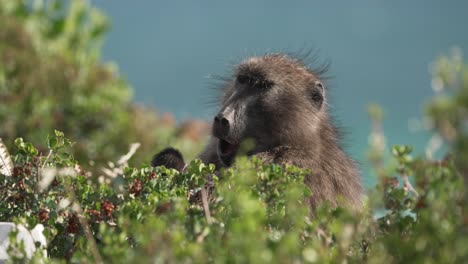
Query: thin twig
{"type": "Point", "coordinates": [84, 224]}
{"type": "Point", "coordinates": [322, 233]}
{"type": "Point", "coordinates": [39, 171]}
{"type": "Point", "coordinates": [47, 158]}
{"type": "Point", "coordinates": [125, 158]}
{"type": "Point", "coordinates": [206, 208]}
{"type": "Point", "coordinates": [408, 185]}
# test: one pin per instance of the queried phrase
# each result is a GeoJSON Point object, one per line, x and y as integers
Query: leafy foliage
{"type": "Point", "coordinates": [51, 78]}
{"type": "Point", "coordinates": [257, 213]}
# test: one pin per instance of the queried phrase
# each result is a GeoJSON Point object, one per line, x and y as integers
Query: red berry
{"type": "Point", "coordinates": [420, 203]}
{"type": "Point", "coordinates": [391, 182]}
{"type": "Point", "coordinates": [153, 175]}
{"type": "Point", "coordinates": [107, 208]}
{"type": "Point", "coordinates": [136, 187]}
{"type": "Point", "coordinates": [164, 207]}
{"type": "Point", "coordinates": [43, 215]}
{"type": "Point", "coordinates": [95, 215]}
{"type": "Point", "coordinates": [73, 226]}
{"type": "Point", "coordinates": [17, 171]}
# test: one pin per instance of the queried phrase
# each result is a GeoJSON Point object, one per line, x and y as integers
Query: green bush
{"type": "Point", "coordinates": [256, 213]}
{"type": "Point", "coordinates": [51, 77]}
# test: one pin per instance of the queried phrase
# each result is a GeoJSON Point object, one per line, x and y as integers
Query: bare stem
{"type": "Point", "coordinates": [323, 234]}
{"type": "Point", "coordinates": [408, 185]}
{"type": "Point", "coordinates": [47, 159]}
{"type": "Point", "coordinates": [84, 224]}
{"type": "Point", "coordinates": [206, 207]}
{"type": "Point", "coordinates": [39, 171]}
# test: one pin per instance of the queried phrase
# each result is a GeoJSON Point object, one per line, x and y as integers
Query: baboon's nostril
{"type": "Point", "coordinates": [225, 124]}
{"type": "Point", "coordinates": [221, 125]}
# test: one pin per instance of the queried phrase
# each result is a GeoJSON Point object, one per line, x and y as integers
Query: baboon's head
{"type": "Point", "coordinates": [274, 100]}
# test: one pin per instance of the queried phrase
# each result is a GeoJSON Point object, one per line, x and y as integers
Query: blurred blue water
{"type": "Point", "coordinates": [380, 52]}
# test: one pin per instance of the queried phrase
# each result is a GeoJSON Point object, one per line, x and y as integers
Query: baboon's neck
{"type": "Point", "coordinates": [303, 135]}
{"type": "Point", "coordinates": [314, 139]}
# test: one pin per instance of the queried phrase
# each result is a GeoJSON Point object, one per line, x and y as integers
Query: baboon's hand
{"type": "Point", "coordinates": [170, 158]}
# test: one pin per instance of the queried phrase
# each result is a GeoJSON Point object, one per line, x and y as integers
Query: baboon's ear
{"type": "Point", "coordinates": [317, 94]}
{"type": "Point", "coordinates": [169, 158]}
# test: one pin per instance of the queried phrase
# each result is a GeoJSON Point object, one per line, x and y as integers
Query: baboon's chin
{"type": "Point", "coordinates": [227, 151]}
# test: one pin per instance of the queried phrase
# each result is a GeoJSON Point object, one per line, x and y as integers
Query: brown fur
{"type": "Point", "coordinates": [281, 104]}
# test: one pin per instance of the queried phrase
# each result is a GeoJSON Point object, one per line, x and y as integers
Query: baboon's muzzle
{"type": "Point", "coordinates": [221, 126]}
{"type": "Point", "coordinates": [227, 148]}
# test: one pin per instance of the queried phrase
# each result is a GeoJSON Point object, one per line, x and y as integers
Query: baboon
{"type": "Point", "coordinates": [281, 104]}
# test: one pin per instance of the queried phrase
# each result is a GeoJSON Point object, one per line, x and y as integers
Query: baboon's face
{"type": "Point", "coordinates": [272, 100]}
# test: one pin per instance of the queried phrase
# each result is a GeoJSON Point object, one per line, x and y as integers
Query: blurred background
{"type": "Point", "coordinates": [74, 65]}
{"type": "Point", "coordinates": [380, 51]}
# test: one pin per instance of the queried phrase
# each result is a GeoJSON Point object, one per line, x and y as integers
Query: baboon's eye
{"type": "Point", "coordinates": [317, 96]}
{"type": "Point", "coordinates": [319, 85]}
{"type": "Point", "coordinates": [317, 93]}
{"type": "Point", "coordinates": [243, 79]}
{"type": "Point", "coordinates": [253, 82]}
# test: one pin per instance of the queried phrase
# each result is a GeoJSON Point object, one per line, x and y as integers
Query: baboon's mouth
{"type": "Point", "coordinates": [227, 151]}
{"type": "Point", "coordinates": [227, 148]}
